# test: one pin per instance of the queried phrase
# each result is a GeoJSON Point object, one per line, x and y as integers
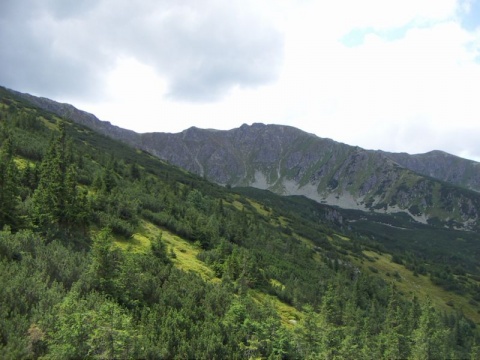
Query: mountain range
{"type": "Point", "coordinates": [366, 257]}
{"type": "Point", "coordinates": [433, 188]}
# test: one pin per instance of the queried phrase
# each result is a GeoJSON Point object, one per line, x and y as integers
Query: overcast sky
{"type": "Point", "coordinates": [380, 74]}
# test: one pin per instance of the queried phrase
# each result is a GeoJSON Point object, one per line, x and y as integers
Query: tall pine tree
{"type": "Point", "coordinates": [392, 337]}
{"type": "Point", "coordinates": [8, 185]}
{"type": "Point", "coordinates": [431, 336]}
{"type": "Point", "coordinates": [57, 203]}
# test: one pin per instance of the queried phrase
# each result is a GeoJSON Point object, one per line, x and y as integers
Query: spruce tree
{"type": "Point", "coordinates": [57, 203]}
{"type": "Point", "coordinates": [8, 185]}
{"type": "Point", "coordinates": [309, 334]}
{"type": "Point", "coordinates": [392, 337]}
{"type": "Point", "coordinates": [48, 196]}
{"type": "Point", "coordinates": [431, 336]}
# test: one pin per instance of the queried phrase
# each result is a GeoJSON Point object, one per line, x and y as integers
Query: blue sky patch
{"type": "Point", "coordinates": [470, 20]}
{"type": "Point", "coordinates": [356, 37]}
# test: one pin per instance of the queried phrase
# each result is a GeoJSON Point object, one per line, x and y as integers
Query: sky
{"type": "Point", "coordinates": [400, 76]}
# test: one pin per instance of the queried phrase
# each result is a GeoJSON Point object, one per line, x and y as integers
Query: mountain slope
{"type": "Point", "coordinates": [84, 118]}
{"type": "Point", "coordinates": [291, 162]}
{"type": "Point", "coordinates": [442, 166]}
{"type": "Point", "coordinates": [107, 251]}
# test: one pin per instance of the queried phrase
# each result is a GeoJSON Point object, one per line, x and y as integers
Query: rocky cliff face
{"type": "Point", "coordinates": [289, 161]}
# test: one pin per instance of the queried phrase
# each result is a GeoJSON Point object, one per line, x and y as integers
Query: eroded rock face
{"type": "Point", "coordinates": [289, 161]}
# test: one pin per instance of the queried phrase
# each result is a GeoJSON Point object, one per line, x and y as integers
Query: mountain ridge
{"type": "Point", "coordinates": [448, 167]}
{"type": "Point", "coordinates": [435, 187]}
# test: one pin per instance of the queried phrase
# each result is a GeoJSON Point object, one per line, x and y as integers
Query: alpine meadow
{"type": "Point", "coordinates": [110, 250]}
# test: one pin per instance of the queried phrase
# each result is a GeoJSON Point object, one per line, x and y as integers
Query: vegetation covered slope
{"type": "Point", "coordinates": [291, 162]}
{"type": "Point", "coordinates": [108, 252]}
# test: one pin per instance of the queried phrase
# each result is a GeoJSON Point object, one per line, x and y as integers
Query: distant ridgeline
{"type": "Point", "coordinates": [108, 251]}
{"type": "Point", "coordinates": [430, 188]}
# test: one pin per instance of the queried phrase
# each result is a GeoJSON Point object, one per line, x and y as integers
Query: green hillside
{"type": "Point", "coordinates": [108, 252]}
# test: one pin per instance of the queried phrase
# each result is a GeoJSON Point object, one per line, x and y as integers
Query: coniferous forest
{"type": "Point", "coordinates": [107, 252]}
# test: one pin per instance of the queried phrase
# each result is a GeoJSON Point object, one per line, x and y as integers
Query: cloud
{"type": "Point", "coordinates": [203, 50]}
{"type": "Point", "coordinates": [400, 76]}
{"type": "Point", "coordinates": [214, 48]}
{"type": "Point", "coordinates": [415, 92]}
{"type": "Point", "coordinates": [32, 57]}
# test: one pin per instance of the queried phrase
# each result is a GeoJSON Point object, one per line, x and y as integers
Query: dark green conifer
{"type": "Point", "coordinates": [8, 185]}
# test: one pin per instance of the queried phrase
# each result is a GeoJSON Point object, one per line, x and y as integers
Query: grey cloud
{"type": "Point", "coordinates": [214, 54]}
{"type": "Point", "coordinates": [31, 59]}
{"type": "Point", "coordinates": [62, 9]}
{"type": "Point", "coordinates": [203, 49]}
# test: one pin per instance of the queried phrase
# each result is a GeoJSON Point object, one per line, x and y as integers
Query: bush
{"type": "Point", "coordinates": [397, 259]}
{"type": "Point", "coordinates": [119, 226]}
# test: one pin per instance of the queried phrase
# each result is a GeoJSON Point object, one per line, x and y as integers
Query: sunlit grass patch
{"type": "Point", "coordinates": [49, 124]}
{"type": "Point", "coordinates": [22, 163]}
{"type": "Point", "coordinates": [182, 252]}
{"type": "Point", "coordinates": [259, 208]}
{"type": "Point", "coordinates": [420, 285]}
{"type": "Point", "coordinates": [237, 204]}
{"type": "Point", "coordinates": [283, 221]}
{"type": "Point", "coordinates": [277, 283]}
{"type": "Point", "coordinates": [137, 243]}
{"type": "Point", "coordinates": [289, 316]}
{"type": "Point", "coordinates": [186, 255]}
{"type": "Point", "coordinates": [341, 237]}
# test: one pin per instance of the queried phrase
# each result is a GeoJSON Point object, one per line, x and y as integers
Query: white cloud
{"type": "Point", "coordinates": [376, 94]}
{"type": "Point", "coordinates": [202, 50]}
{"type": "Point", "coordinates": [409, 84]}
